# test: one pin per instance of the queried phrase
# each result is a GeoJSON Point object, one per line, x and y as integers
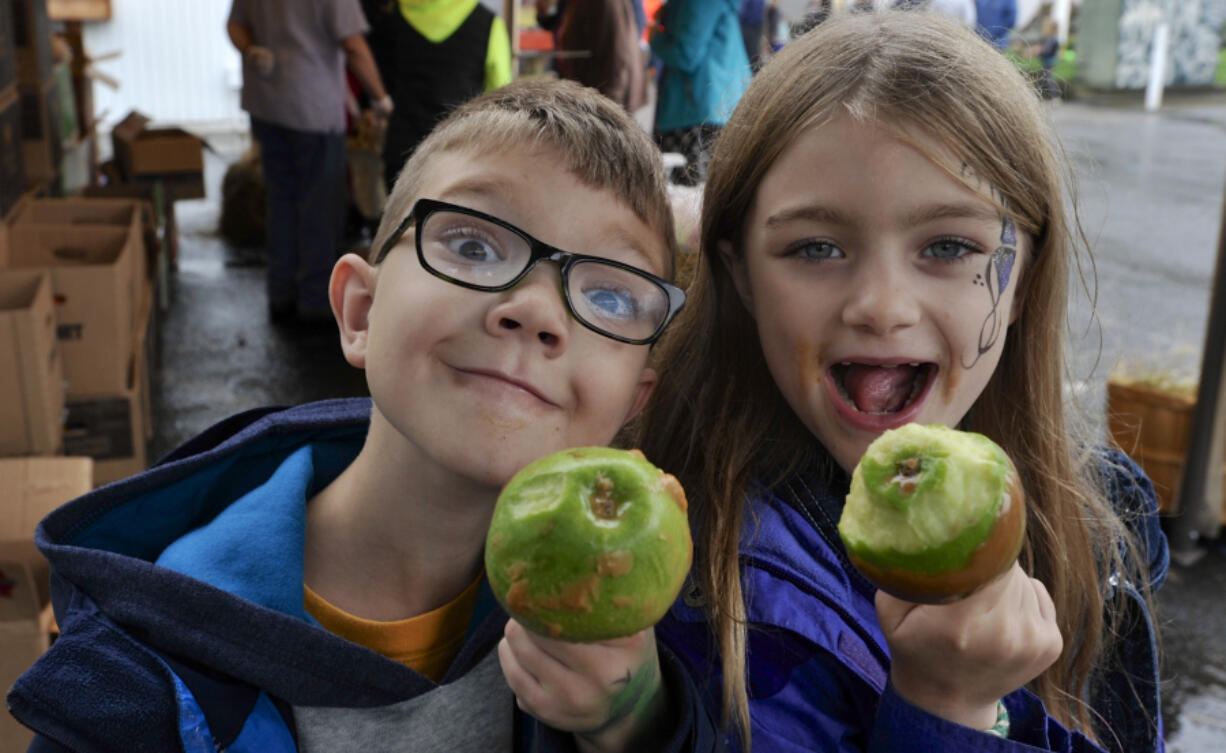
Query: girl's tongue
{"type": "Point", "coordinates": [878, 389]}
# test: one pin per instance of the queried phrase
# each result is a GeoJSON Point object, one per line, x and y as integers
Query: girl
{"type": "Point", "coordinates": [885, 241]}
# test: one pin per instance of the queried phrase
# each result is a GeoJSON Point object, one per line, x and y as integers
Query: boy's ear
{"type": "Point", "coordinates": [352, 292]}
{"type": "Point", "coordinates": [642, 391]}
{"type": "Point", "coordinates": [736, 267]}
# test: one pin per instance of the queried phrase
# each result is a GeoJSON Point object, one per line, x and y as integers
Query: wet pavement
{"type": "Point", "coordinates": [1151, 188]}
{"type": "Point", "coordinates": [1151, 202]}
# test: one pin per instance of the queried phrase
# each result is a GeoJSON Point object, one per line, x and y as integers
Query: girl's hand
{"type": "Point", "coordinates": [958, 660]}
{"type": "Point", "coordinates": [609, 694]}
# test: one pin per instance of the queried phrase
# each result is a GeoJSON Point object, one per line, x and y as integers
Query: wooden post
{"type": "Point", "coordinates": [1200, 491]}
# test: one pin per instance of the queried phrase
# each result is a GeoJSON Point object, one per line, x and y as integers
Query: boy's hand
{"type": "Point", "coordinates": [958, 660]}
{"type": "Point", "coordinates": [609, 694]}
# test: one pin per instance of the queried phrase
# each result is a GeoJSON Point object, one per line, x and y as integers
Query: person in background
{"type": "Point", "coordinates": [640, 15]}
{"type": "Point", "coordinates": [435, 55]}
{"type": "Point", "coordinates": [962, 11]}
{"type": "Point", "coordinates": [774, 37]}
{"type": "Point", "coordinates": [607, 31]}
{"type": "Point", "coordinates": [752, 16]}
{"type": "Point", "coordinates": [886, 239]}
{"type": "Point", "coordinates": [293, 88]}
{"type": "Point", "coordinates": [705, 72]}
{"type": "Point", "coordinates": [996, 19]}
{"type": "Point", "coordinates": [1049, 54]}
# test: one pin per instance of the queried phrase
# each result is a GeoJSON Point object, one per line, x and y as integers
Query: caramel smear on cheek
{"type": "Point", "coordinates": [505, 425]}
{"type": "Point", "coordinates": [809, 366]}
{"type": "Point", "coordinates": [952, 377]}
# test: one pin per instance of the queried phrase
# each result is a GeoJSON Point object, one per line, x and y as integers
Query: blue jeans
{"type": "Point", "coordinates": [304, 179]}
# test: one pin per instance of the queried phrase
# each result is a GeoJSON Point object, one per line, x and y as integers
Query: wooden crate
{"type": "Point", "coordinates": [1152, 426]}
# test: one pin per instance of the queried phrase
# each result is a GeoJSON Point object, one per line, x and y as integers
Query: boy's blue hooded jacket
{"type": "Point", "coordinates": [818, 663]}
{"type": "Point", "coordinates": [179, 595]}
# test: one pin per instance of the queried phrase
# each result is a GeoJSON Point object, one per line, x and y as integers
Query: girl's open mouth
{"type": "Point", "coordinates": [881, 390]}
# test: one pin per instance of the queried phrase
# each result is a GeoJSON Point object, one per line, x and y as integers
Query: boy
{"type": "Point", "coordinates": [204, 604]}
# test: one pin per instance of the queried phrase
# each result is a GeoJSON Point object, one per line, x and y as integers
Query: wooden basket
{"type": "Point", "coordinates": [1152, 426]}
{"type": "Point", "coordinates": [1147, 421]}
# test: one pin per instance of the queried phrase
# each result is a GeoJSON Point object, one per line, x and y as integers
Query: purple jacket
{"type": "Point", "coordinates": [818, 663]}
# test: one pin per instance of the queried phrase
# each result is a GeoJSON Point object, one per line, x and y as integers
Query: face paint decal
{"type": "Point", "coordinates": [995, 278]}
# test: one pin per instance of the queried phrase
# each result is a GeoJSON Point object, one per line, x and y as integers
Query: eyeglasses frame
{"type": "Point", "coordinates": [540, 251]}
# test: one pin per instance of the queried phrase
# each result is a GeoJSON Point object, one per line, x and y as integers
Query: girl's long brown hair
{"type": "Point", "coordinates": [717, 419]}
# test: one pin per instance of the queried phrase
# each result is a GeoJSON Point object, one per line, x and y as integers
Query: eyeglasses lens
{"type": "Point", "coordinates": [472, 250]}
{"type": "Point", "coordinates": [616, 300]}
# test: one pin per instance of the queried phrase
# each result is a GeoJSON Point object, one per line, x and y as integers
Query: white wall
{"type": "Point", "coordinates": [176, 64]}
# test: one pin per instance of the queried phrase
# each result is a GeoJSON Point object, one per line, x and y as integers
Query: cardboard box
{"type": "Point", "coordinates": [12, 159]}
{"type": "Point", "coordinates": [177, 186]}
{"type": "Point", "coordinates": [79, 10]}
{"type": "Point", "coordinates": [113, 428]}
{"type": "Point", "coordinates": [31, 377]}
{"type": "Point", "coordinates": [161, 232]}
{"type": "Point", "coordinates": [40, 133]}
{"type": "Point", "coordinates": [8, 53]}
{"type": "Point", "coordinates": [142, 151]}
{"type": "Point", "coordinates": [32, 41]}
{"type": "Point", "coordinates": [130, 214]}
{"type": "Point", "coordinates": [29, 489]}
{"type": "Point", "coordinates": [93, 276]}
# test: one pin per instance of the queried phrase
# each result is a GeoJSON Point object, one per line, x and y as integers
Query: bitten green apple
{"type": "Point", "coordinates": [933, 513]}
{"type": "Point", "coordinates": [589, 544]}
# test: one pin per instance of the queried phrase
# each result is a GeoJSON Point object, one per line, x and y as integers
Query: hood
{"type": "Point", "coordinates": [201, 558]}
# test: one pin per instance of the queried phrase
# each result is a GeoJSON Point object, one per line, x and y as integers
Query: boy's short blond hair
{"type": "Point", "coordinates": [596, 139]}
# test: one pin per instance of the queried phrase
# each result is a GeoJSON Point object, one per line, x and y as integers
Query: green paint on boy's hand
{"type": "Point", "coordinates": [635, 712]}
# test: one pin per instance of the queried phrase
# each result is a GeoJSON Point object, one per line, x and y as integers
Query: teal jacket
{"type": "Point", "coordinates": [705, 67]}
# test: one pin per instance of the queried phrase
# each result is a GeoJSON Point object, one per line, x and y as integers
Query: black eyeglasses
{"type": "Point", "coordinates": [481, 252]}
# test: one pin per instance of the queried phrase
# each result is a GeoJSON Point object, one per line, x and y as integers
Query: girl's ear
{"type": "Point", "coordinates": [736, 268]}
{"type": "Point", "coordinates": [352, 293]}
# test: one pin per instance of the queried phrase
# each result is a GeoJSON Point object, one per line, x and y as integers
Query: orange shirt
{"type": "Point", "coordinates": [427, 643]}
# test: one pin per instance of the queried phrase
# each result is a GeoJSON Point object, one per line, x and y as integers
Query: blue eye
{"type": "Point", "coordinates": [815, 250]}
{"type": "Point", "coordinates": [950, 249]}
{"type": "Point", "coordinates": [472, 249]}
{"type": "Point", "coordinates": [614, 304]}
